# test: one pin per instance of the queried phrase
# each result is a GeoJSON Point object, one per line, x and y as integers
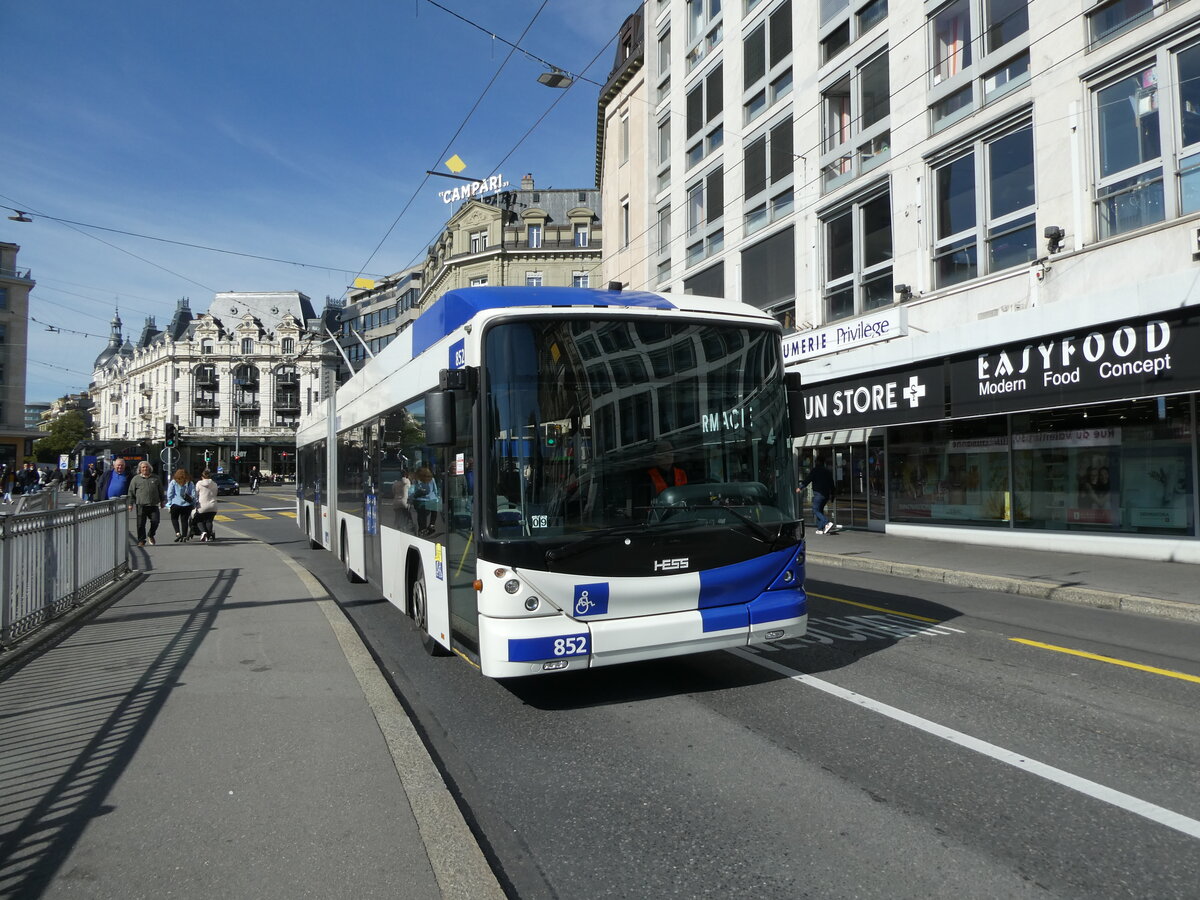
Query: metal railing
{"type": "Point", "coordinates": [54, 559]}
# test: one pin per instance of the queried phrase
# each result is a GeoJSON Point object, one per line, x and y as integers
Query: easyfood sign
{"type": "Point", "coordinates": [1135, 358]}
{"type": "Point", "coordinates": [881, 326]}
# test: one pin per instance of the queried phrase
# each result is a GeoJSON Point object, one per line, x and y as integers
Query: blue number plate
{"type": "Point", "coordinates": [534, 649]}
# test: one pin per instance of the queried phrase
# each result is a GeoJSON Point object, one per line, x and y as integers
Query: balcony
{"type": "Point", "coordinates": [248, 408]}
{"type": "Point", "coordinates": [19, 274]}
{"type": "Point", "coordinates": [208, 379]}
{"type": "Point", "coordinates": [146, 389]}
{"type": "Point", "coordinates": [144, 412]}
{"type": "Point", "coordinates": [287, 401]}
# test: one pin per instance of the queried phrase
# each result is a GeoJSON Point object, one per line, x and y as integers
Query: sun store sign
{"type": "Point", "coordinates": [914, 395]}
{"type": "Point", "coordinates": [475, 189]}
{"type": "Point", "coordinates": [1123, 360]}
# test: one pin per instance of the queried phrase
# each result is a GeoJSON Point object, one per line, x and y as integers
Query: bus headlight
{"type": "Point", "coordinates": [532, 603]}
{"type": "Point", "coordinates": [512, 585]}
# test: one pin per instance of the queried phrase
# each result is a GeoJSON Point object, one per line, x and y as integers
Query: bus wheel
{"type": "Point", "coordinates": [420, 609]}
{"type": "Point", "coordinates": [351, 575]}
{"type": "Point", "coordinates": [313, 543]}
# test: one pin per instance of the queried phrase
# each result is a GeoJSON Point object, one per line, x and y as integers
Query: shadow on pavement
{"type": "Point", "coordinates": [59, 755]}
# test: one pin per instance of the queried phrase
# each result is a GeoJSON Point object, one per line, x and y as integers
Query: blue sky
{"type": "Point", "coordinates": [296, 130]}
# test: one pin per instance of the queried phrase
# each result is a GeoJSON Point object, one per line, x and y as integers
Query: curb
{"type": "Point", "coordinates": [58, 628]}
{"type": "Point", "coordinates": [1043, 590]}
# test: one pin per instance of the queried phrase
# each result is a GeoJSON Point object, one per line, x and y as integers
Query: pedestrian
{"type": "Point", "coordinates": [822, 492]}
{"type": "Point", "coordinates": [8, 482]}
{"type": "Point", "coordinates": [424, 495]}
{"type": "Point", "coordinates": [114, 482]}
{"type": "Point", "coordinates": [181, 499]}
{"type": "Point", "coordinates": [90, 477]}
{"type": "Point", "coordinates": [146, 497]}
{"type": "Point", "coordinates": [206, 494]}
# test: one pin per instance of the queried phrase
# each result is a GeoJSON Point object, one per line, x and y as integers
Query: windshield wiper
{"type": "Point", "coordinates": [758, 530]}
{"type": "Point", "coordinates": [616, 531]}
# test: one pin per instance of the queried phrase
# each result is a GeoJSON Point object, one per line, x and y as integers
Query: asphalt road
{"type": "Point", "coordinates": [924, 741]}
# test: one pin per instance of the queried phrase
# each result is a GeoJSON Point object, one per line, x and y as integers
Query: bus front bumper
{"type": "Point", "coordinates": [515, 647]}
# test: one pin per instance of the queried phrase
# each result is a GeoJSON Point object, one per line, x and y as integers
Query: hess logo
{"type": "Point", "coordinates": [669, 565]}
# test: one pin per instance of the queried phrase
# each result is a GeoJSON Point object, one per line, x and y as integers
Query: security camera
{"type": "Point", "coordinates": [1054, 238]}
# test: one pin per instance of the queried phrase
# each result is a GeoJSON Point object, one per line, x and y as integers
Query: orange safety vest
{"type": "Point", "coordinates": [660, 483]}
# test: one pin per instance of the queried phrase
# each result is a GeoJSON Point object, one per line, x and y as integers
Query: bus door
{"type": "Point", "coordinates": [458, 522]}
{"type": "Point", "coordinates": [375, 505]}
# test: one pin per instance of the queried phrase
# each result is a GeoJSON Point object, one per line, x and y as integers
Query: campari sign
{"type": "Point", "coordinates": [1143, 357]}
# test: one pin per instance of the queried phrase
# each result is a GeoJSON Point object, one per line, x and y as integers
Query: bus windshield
{"type": "Point", "coordinates": [612, 425]}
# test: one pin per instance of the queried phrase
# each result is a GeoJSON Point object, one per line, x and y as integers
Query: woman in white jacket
{"type": "Point", "coordinates": [206, 489]}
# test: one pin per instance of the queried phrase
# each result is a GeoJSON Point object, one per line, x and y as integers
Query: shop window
{"type": "Point", "coordinates": [856, 120]}
{"type": "Point", "coordinates": [953, 473]}
{"type": "Point", "coordinates": [858, 257]}
{"type": "Point", "coordinates": [979, 51]}
{"type": "Point", "coordinates": [985, 198]}
{"type": "Point", "coordinates": [1120, 467]}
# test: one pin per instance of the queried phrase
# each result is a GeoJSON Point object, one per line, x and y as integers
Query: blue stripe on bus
{"type": "Point", "coordinates": [774, 606]}
{"type": "Point", "coordinates": [742, 581]}
{"type": "Point", "coordinates": [722, 618]}
{"type": "Point", "coordinates": [455, 308]}
{"type": "Point", "coordinates": [559, 646]}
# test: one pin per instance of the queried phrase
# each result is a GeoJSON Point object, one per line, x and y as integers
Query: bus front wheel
{"type": "Point", "coordinates": [420, 609]}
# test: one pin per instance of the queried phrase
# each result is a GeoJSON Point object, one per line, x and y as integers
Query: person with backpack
{"type": "Point", "coordinates": [181, 499]}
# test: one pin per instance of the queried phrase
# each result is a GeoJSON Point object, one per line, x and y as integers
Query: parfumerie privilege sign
{"type": "Point", "coordinates": [1143, 357]}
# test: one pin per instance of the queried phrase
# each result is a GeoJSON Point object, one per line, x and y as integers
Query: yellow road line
{"type": "Point", "coordinates": [220, 518]}
{"type": "Point", "coordinates": [882, 609]}
{"type": "Point", "coordinates": [290, 515]}
{"type": "Point", "coordinates": [1108, 659]}
{"type": "Point", "coordinates": [256, 516]}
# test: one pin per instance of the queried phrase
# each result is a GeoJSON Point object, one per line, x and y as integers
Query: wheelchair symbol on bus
{"type": "Point", "coordinates": [591, 599]}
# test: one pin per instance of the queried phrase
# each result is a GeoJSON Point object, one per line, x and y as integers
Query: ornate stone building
{"type": "Point", "coordinates": [234, 380]}
{"type": "Point", "coordinates": [15, 285]}
{"type": "Point", "coordinates": [525, 237]}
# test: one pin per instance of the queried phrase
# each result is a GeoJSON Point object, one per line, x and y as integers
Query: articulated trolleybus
{"type": "Point", "coordinates": [549, 479]}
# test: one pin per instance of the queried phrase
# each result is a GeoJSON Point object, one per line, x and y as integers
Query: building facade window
{"type": "Point", "coordinates": [247, 345]}
{"type": "Point", "coordinates": [479, 240]}
{"type": "Point", "coordinates": [856, 120]}
{"type": "Point", "coordinates": [625, 224]}
{"type": "Point", "coordinates": [843, 23]}
{"type": "Point", "coordinates": [664, 230]}
{"type": "Point", "coordinates": [580, 279]}
{"type": "Point", "coordinates": [704, 30]}
{"type": "Point", "coordinates": [705, 209]}
{"type": "Point", "coordinates": [1110, 20]}
{"type": "Point", "coordinates": [479, 281]}
{"type": "Point", "coordinates": [857, 245]}
{"type": "Point", "coordinates": [533, 279]}
{"type": "Point", "coordinates": [705, 119]}
{"type": "Point", "coordinates": [582, 235]}
{"type": "Point", "coordinates": [979, 51]}
{"type": "Point", "coordinates": [768, 166]}
{"type": "Point", "coordinates": [624, 145]}
{"type": "Point", "coordinates": [1148, 124]}
{"type": "Point", "coordinates": [533, 236]}
{"type": "Point", "coordinates": [3, 298]}
{"type": "Point", "coordinates": [288, 345]}
{"type": "Point", "coordinates": [985, 199]}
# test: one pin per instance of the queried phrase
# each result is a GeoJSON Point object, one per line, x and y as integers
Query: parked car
{"type": "Point", "coordinates": [227, 484]}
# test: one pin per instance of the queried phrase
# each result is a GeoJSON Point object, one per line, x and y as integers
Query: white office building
{"type": "Point", "coordinates": [979, 221]}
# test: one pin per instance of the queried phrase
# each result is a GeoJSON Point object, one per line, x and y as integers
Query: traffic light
{"type": "Point", "coordinates": [170, 434]}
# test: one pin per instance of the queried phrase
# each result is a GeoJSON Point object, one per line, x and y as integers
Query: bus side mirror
{"type": "Point", "coordinates": [439, 419]}
{"type": "Point", "coordinates": [795, 403]}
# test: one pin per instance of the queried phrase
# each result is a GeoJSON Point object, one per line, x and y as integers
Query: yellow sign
{"type": "Point", "coordinates": [455, 164]}
{"type": "Point", "coordinates": [367, 284]}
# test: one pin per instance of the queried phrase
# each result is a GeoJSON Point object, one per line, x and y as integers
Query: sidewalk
{"type": "Point", "coordinates": [219, 730]}
{"type": "Point", "coordinates": [1166, 589]}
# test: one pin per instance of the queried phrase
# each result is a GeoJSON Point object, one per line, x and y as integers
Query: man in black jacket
{"type": "Point", "coordinates": [821, 480]}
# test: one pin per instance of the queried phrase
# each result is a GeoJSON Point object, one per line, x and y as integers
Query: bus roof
{"type": "Point", "coordinates": [457, 307]}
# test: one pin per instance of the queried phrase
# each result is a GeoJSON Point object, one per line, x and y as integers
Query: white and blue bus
{"type": "Point", "coordinates": [548, 479]}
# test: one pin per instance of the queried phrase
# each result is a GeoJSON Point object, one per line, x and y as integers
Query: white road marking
{"type": "Point", "coordinates": [1128, 802]}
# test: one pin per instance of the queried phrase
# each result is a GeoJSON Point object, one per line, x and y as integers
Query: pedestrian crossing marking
{"type": "Point", "coordinates": [256, 516]}
{"type": "Point", "coordinates": [220, 518]}
{"type": "Point", "coordinates": [290, 515]}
